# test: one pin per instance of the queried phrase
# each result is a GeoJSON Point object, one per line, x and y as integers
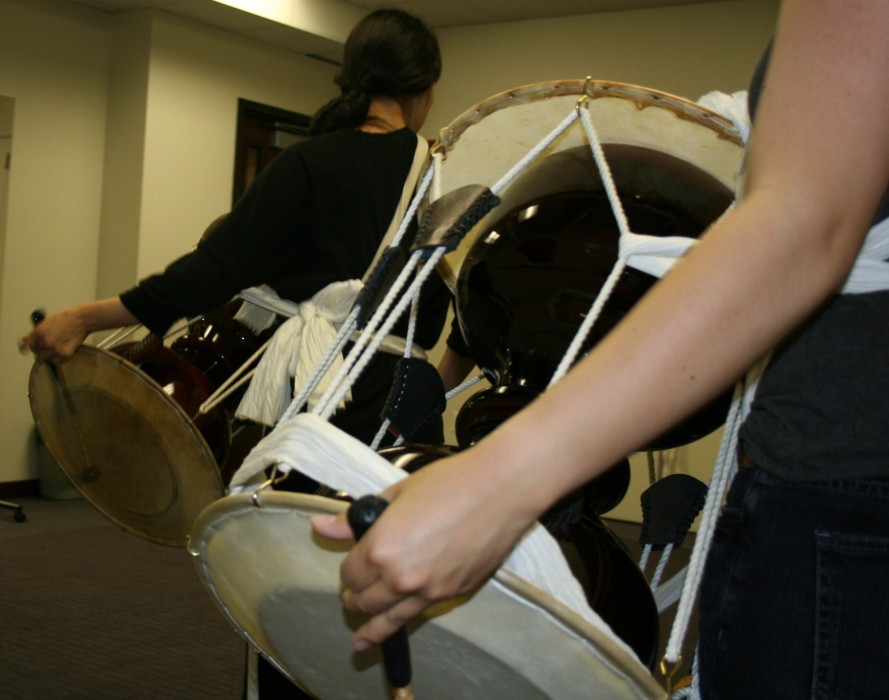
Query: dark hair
{"type": "Point", "coordinates": [389, 53]}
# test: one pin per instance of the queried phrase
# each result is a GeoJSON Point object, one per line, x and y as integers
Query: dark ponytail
{"type": "Point", "coordinates": [389, 53]}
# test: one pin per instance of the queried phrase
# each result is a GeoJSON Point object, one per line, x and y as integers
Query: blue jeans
{"type": "Point", "coordinates": [795, 598]}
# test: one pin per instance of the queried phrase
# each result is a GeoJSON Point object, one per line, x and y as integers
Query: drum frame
{"type": "Point", "coordinates": [214, 549]}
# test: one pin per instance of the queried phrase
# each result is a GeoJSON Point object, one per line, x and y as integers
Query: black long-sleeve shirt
{"type": "Point", "coordinates": [315, 215]}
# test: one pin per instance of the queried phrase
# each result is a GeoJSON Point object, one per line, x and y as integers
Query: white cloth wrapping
{"type": "Point", "coordinates": [297, 346]}
{"type": "Point", "coordinates": [330, 456]}
{"type": "Point", "coordinates": [870, 273]}
{"type": "Point", "coordinates": [731, 106]}
{"type": "Point", "coordinates": [655, 255]}
{"type": "Point", "coordinates": [267, 298]}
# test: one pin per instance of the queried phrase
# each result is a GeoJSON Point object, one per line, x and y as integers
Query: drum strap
{"type": "Point", "coordinates": [410, 184]}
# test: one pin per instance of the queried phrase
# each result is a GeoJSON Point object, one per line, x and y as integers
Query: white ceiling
{"type": "Point", "coordinates": [437, 13]}
{"type": "Point", "coordinates": [451, 13]}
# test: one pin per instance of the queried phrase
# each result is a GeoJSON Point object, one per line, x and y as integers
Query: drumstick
{"type": "Point", "coordinates": [88, 473]}
{"type": "Point", "coordinates": [396, 652]}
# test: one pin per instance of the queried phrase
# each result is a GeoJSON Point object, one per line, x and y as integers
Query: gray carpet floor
{"type": "Point", "coordinates": [89, 611]}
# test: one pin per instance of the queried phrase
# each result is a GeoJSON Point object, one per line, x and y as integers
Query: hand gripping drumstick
{"type": "Point", "coordinates": [396, 653]}
{"type": "Point", "coordinates": [89, 472]}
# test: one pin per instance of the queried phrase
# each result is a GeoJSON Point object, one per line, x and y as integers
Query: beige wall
{"type": "Point", "coordinates": [54, 62]}
{"type": "Point", "coordinates": [686, 50]}
{"type": "Point", "coordinates": [167, 90]}
{"type": "Point", "coordinates": [124, 129]}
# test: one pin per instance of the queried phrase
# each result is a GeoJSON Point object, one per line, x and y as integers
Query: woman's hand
{"type": "Point", "coordinates": [441, 536]}
{"type": "Point", "coordinates": [57, 337]}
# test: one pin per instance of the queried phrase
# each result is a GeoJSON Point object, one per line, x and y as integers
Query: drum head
{"type": "Point", "coordinates": [125, 444]}
{"type": "Point", "coordinates": [279, 584]}
{"type": "Point", "coordinates": [485, 142]}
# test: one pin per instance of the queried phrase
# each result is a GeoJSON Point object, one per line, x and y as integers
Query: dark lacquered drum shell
{"type": "Point", "coordinates": [533, 274]}
{"type": "Point", "coordinates": [218, 344]}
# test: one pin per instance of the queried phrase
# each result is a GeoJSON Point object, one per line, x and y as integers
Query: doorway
{"type": "Point", "coordinates": [262, 133]}
{"type": "Point", "coordinates": [7, 105]}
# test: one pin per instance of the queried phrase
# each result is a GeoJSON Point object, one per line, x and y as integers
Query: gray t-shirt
{"type": "Point", "coordinates": [822, 407]}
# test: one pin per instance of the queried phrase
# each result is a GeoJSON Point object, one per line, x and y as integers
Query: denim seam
{"type": "Point", "coordinates": [823, 619]}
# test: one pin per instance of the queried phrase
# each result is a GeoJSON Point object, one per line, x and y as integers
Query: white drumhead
{"type": "Point", "coordinates": [486, 141]}
{"type": "Point", "coordinates": [279, 585]}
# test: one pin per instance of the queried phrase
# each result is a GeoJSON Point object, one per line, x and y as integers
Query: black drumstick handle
{"type": "Point", "coordinates": [396, 652]}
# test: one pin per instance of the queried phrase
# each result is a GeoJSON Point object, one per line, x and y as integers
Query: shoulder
{"type": "Point", "coordinates": [351, 141]}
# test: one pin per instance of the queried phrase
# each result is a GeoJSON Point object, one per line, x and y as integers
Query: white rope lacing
{"type": "Point", "coordinates": [592, 316]}
{"type": "Point", "coordinates": [471, 382]}
{"type": "Point", "coordinates": [661, 565]}
{"type": "Point", "coordinates": [335, 349]}
{"type": "Point", "coordinates": [361, 356]}
{"type": "Point", "coordinates": [234, 382]}
{"type": "Point", "coordinates": [117, 336]}
{"type": "Point", "coordinates": [723, 471]}
{"type": "Point", "coordinates": [533, 154]}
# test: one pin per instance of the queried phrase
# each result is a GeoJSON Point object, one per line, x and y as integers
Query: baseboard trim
{"type": "Point", "coordinates": [20, 489]}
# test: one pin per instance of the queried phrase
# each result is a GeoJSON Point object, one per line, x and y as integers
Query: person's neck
{"type": "Point", "coordinates": [384, 116]}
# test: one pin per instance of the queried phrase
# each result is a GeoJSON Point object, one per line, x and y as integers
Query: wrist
{"type": "Point", "coordinates": [83, 319]}
{"type": "Point", "coordinates": [511, 472]}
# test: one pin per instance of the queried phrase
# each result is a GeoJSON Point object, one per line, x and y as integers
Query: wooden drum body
{"type": "Point", "coordinates": [529, 272]}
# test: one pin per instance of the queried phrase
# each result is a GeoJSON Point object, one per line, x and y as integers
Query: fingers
{"type": "Point", "coordinates": [333, 527]}
{"type": "Point", "coordinates": [43, 351]}
{"type": "Point", "coordinates": [55, 339]}
{"type": "Point", "coordinates": [382, 626]}
{"type": "Point", "coordinates": [32, 343]}
{"type": "Point", "coordinates": [25, 345]}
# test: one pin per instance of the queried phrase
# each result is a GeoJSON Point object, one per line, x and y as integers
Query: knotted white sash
{"type": "Point", "coordinates": [297, 346]}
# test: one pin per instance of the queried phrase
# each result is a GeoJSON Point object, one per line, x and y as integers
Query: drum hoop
{"type": "Point", "coordinates": [585, 88]}
{"type": "Point", "coordinates": [604, 645]}
{"type": "Point", "coordinates": [170, 404]}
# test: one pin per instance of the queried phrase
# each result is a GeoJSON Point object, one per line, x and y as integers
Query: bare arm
{"type": "Point", "coordinates": [59, 335]}
{"type": "Point", "coordinates": [454, 368]}
{"type": "Point", "coordinates": [817, 166]}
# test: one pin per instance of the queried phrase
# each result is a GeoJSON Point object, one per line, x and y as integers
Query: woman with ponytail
{"type": "Point", "coordinates": [314, 216]}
